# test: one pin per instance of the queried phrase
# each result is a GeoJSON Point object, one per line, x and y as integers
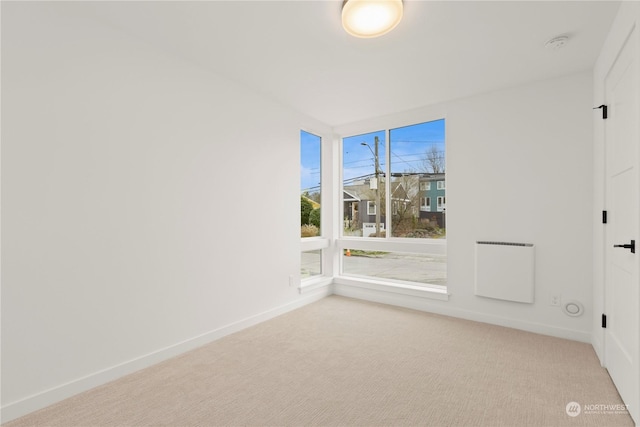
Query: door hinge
{"type": "Point", "coordinates": [604, 111]}
{"type": "Point", "coordinates": [604, 217]}
{"type": "Point", "coordinates": [604, 320]}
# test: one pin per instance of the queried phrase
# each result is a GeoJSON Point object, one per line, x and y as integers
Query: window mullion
{"type": "Point", "coordinates": [387, 190]}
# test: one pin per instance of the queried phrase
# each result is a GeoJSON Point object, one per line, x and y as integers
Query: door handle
{"type": "Point", "coordinates": [631, 246]}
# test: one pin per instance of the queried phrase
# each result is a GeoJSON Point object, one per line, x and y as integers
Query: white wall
{"type": "Point", "coordinates": [142, 201]}
{"type": "Point", "coordinates": [519, 168]}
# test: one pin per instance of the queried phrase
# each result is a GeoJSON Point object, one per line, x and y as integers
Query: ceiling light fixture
{"type": "Point", "coordinates": [370, 18]}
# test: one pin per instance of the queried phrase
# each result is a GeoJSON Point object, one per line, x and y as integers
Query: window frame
{"type": "Point", "coordinates": [426, 205]}
{"type": "Point", "coordinates": [371, 203]}
{"type": "Point", "coordinates": [321, 242]}
{"type": "Point", "coordinates": [321, 167]}
{"type": "Point", "coordinates": [387, 242]}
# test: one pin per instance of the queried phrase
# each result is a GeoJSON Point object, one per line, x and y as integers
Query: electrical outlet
{"type": "Point", "coordinates": [555, 300]}
{"type": "Point", "coordinates": [292, 280]}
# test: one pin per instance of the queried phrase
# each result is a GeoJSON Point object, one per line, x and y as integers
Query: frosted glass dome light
{"type": "Point", "coordinates": [370, 18]}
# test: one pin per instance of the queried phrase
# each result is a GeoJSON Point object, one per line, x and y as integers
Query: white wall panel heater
{"type": "Point", "coordinates": [505, 271]}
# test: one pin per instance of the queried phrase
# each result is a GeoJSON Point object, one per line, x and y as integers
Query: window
{"type": "Point", "coordinates": [363, 181]}
{"type": "Point", "coordinates": [310, 178]}
{"type": "Point", "coordinates": [421, 269]}
{"type": "Point", "coordinates": [425, 204]}
{"type": "Point", "coordinates": [310, 264]}
{"type": "Point", "coordinates": [417, 156]}
{"type": "Point", "coordinates": [392, 171]}
{"type": "Point", "coordinates": [310, 202]}
{"type": "Point", "coordinates": [371, 208]}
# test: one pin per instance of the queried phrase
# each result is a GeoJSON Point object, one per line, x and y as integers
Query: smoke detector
{"type": "Point", "coordinates": [557, 42]}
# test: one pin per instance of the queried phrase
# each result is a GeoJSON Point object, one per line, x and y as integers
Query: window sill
{"type": "Point", "coordinates": [392, 244]}
{"type": "Point", "coordinates": [396, 288]}
{"type": "Point", "coordinates": [313, 243]}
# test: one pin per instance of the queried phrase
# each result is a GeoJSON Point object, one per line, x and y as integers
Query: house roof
{"type": "Point", "coordinates": [361, 192]}
{"type": "Point", "coordinates": [432, 177]}
{"type": "Point", "coordinates": [349, 196]}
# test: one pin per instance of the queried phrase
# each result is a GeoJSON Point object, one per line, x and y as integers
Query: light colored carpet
{"type": "Point", "coordinates": [352, 363]}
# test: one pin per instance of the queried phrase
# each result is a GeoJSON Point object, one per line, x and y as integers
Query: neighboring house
{"type": "Point", "coordinates": [360, 204]}
{"type": "Point", "coordinates": [433, 201]}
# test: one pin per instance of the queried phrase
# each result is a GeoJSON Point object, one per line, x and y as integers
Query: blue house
{"type": "Point", "coordinates": [433, 200]}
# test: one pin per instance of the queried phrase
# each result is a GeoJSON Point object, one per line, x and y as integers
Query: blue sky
{"type": "Point", "coordinates": [409, 146]}
{"type": "Point", "coordinates": [309, 161]}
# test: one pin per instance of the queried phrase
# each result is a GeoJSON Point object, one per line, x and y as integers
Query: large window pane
{"type": "Point", "coordinates": [310, 151]}
{"type": "Point", "coordinates": [363, 195]}
{"type": "Point", "coordinates": [424, 268]}
{"type": "Point", "coordinates": [418, 189]}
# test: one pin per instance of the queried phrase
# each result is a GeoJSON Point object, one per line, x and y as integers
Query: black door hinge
{"type": "Point", "coordinates": [604, 320]}
{"type": "Point", "coordinates": [604, 111]}
{"type": "Point", "coordinates": [604, 217]}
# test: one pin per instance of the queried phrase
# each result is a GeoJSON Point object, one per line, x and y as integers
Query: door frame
{"type": "Point", "coordinates": [626, 21]}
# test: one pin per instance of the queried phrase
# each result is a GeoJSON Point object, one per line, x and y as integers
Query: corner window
{"type": "Point", "coordinates": [310, 264]}
{"type": "Point", "coordinates": [310, 177]}
{"type": "Point", "coordinates": [310, 202]}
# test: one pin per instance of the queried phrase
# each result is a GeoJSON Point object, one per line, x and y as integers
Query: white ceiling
{"type": "Point", "coordinates": [297, 53]}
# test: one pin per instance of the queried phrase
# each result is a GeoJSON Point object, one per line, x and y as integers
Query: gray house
{"type": "Point", "coordinates": [360, 205]}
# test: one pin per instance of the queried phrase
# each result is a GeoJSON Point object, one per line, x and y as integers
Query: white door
{"type": "Point", "coordinates": [622, 294]}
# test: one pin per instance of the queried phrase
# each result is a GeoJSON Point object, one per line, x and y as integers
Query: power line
{"type": "Point", "coordinates": [417, 142]}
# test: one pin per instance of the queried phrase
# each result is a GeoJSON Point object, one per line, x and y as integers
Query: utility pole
{"type": "Point", "coordinates": [378, 207]}
{"type": "Point", "coordinates": [377, 162]}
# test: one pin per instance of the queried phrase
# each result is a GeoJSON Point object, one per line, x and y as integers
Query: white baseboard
{"type": "Point", "coordinates": [433, 306]}
{"type": "Point", "coordinates": [43, 399]}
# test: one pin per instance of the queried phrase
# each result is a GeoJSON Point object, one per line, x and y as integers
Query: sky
{"type": "Point", "coordinates": [309, 162]}
{"type": "Point", "coordinates": [409, 146]}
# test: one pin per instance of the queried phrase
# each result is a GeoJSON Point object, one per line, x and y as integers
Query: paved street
{"type": "Point", "coordinates": [420, 268]}
{"type": "Point", "coordinates": [310, 265]}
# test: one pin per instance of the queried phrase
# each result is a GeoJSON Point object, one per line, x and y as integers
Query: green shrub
{"type": "Point", "coordinates": [305, 209]}
{"type": "Point", "coordinates": [314, 217]}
